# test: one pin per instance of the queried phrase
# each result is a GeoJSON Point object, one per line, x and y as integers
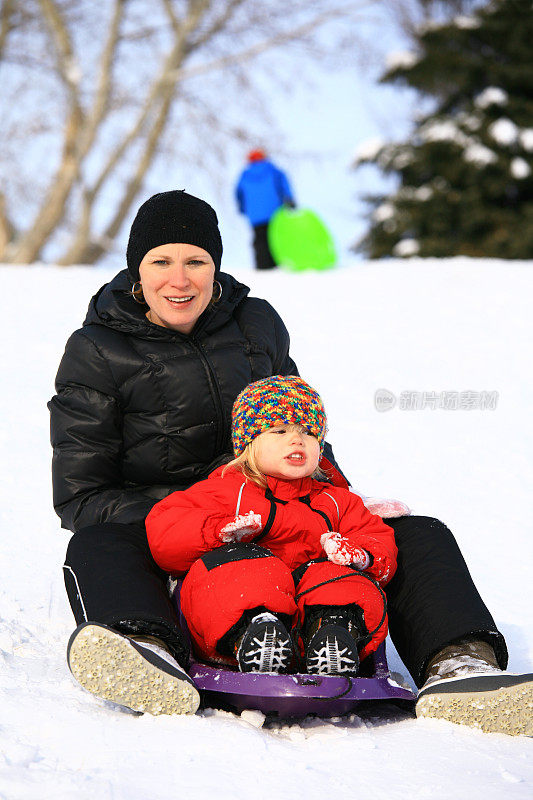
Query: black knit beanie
{"type": "Point", "coordinates": [170, 217]}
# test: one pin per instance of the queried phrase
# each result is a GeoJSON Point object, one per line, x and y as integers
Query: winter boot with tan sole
{"type": "Point", "coordinates": [465, 685]}
{"type": "Point", "coordinates": [140, 675]}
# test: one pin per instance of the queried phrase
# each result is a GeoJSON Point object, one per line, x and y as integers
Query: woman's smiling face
{"type": "Point", "coordinates": [286, 451]}
{"type": "Point", "coordinates": [177, 283]}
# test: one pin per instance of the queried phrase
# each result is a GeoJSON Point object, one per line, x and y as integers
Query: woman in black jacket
{"type": "Point", "coordinates": [142, 408]}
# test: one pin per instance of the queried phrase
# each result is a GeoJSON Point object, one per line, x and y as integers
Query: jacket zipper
{"type": "Point", "coordinates": [215, 393]}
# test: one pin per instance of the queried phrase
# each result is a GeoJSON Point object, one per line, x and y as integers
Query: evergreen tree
{"type": "Point", "coordinates": [466, 175]}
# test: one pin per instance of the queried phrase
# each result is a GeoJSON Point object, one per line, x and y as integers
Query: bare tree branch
{"type": "Point", "coordinates": [230, 8]}
{"type": "Point", "coordinates": [97, 123]}
{"type": "Point", "coordinates": [27, 249]}
{"type": "Point", "coordinates": [7, 230]}
{"type": "Point", "coordinates": [104, 87]}
{"type": "Point", "coordinates": [159, 89]}
{"type": "Point", "coordinates": [6, 21]}
{"type": "Point", "coordinates": [66, 64]}
{"type": "Point", "coordinates": [279, 39]}
{"type": "Point", "coordinates": [135, 183]}
{"type": "Point", "coordinates": [79, 132]}
{"type": "Point", "coordinates": [161, 93]}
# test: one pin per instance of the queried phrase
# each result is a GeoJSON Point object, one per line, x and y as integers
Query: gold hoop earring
{"type": "Point", "coordinates": [217, 298]}
{"type": "Point", "coordinates": [137, 293]}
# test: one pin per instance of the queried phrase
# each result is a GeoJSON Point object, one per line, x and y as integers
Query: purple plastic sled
{"type": "Point", "coordinates": [295, 695]}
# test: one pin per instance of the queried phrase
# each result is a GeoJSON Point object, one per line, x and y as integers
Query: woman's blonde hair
{"type": "Point", "coordinates": [247, 464]}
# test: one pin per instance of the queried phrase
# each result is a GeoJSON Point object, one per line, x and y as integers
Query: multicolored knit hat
{"type": "Point", "coordinates": [279, 400]}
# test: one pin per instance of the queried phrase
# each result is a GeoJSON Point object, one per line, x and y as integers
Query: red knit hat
{"type": "Point", "coordinates": [256, 155]}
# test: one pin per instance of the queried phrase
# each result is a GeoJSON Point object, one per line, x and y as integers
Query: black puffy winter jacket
{"type": "Point", "coordinates": [141, 410]}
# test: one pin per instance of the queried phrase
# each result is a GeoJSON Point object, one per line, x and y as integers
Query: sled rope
{"type": "Point", "coordinates": [341, 694]}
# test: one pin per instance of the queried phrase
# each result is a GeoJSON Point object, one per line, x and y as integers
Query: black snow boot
{"type": "Point", "coordinates": [330, 637]}
{"type": "Point", "coordinates": [265, 646]}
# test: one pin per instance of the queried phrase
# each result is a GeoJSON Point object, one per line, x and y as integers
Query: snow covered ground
{"type": "Point", "coordinates": [408, 327]}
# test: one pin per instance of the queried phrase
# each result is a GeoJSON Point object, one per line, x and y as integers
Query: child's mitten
{"type": "Point", "coordinates": [386, 508]}
{"type": "Point", "coordinates": [242, 529]}
{"type": "Point", "coordinates": [341, 551]}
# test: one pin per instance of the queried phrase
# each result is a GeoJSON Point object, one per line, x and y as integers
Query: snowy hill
{"type": "Point", "coordinates": [417, 329]}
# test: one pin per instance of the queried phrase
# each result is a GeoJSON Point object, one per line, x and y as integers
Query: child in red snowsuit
{"type": "Point", "coordinates": [268, 549]}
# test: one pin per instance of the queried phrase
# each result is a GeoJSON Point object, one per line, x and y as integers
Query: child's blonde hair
{"type": "Point", "coordinates": [246, 463]}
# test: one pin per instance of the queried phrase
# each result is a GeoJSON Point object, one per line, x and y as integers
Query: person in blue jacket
{"type": "Point", "coordinates": [261, 189]}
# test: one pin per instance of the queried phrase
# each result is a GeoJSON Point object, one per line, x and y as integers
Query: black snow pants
{"type": "Point", "coordinates": [112, 578]}
{"type": "Point", "coordinates": [263, 256]}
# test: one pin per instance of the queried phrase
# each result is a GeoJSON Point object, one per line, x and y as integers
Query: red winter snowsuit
{"type": "Point", "coordinates": [223, 582]}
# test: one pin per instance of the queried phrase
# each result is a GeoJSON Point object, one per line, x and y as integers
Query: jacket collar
{"type": "Point", "coordinates": [289, 490]}
{"type": "Point", "coordinates": [114, 307]}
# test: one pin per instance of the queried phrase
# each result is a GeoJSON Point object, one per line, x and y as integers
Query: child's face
{"type": "Point", "coordinates": [286, 451]}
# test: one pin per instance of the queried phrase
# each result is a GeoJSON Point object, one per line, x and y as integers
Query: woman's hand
{"type": "Point", "coordinates": [341, 551]}
{"type": "Point", "coordinates": [243, 528]}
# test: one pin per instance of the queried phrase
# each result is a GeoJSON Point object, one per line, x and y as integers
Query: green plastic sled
{"type": "Point", "coordinates": [299, 240]}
